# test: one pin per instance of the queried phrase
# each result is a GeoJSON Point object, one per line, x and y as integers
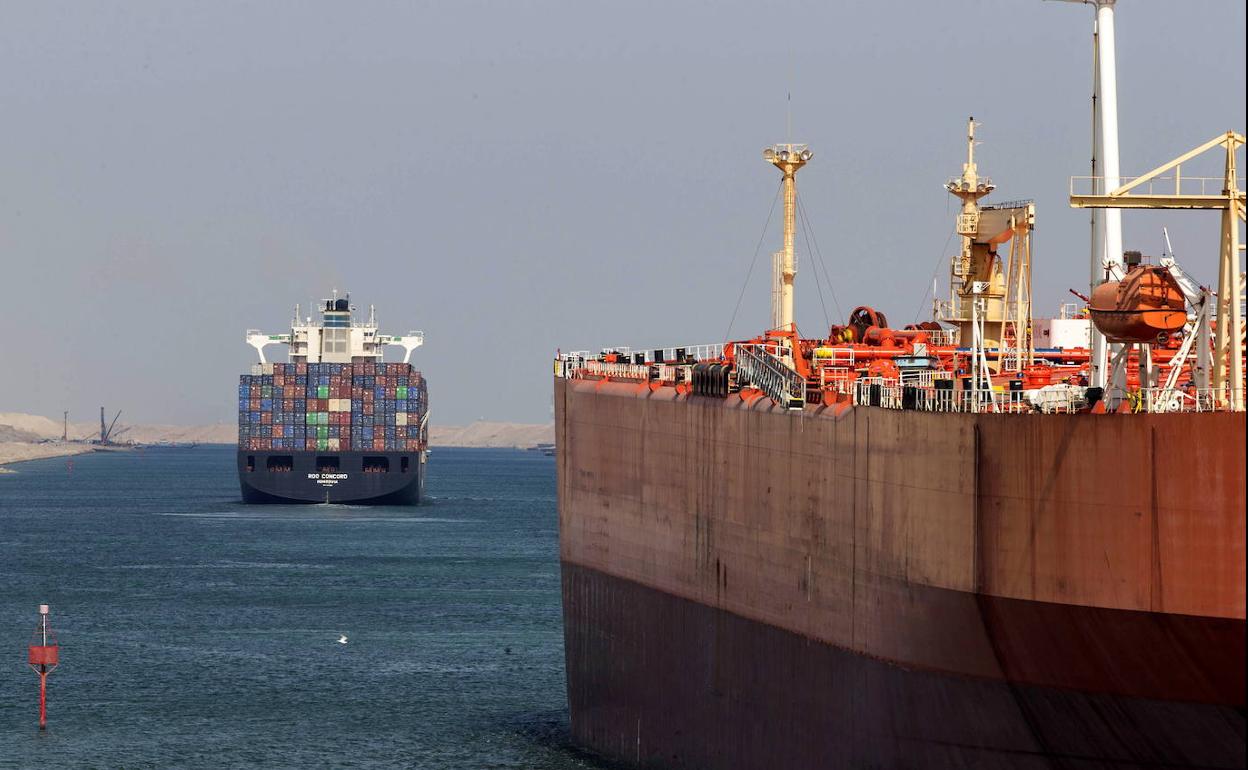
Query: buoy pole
{"type": "Point", "coordinates": [43, 697]}
{"type": "Point", "coordinates": [43, 657]}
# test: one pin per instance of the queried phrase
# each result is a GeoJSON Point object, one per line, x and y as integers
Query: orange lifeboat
{"type": "Point", "coordinates": [1143, 305]}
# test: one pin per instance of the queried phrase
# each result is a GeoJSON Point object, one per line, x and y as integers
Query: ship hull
{"type": "Point", "coordinates": [306, 477]}
{"type": "Point", "coordinates": [856, 587]}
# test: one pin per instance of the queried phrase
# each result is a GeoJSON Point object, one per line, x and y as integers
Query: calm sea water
{"type": "Point", "coordinates": [196, 631]}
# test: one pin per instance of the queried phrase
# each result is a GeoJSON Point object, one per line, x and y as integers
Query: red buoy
{"type": "Point", "coordinates": [43, 658]}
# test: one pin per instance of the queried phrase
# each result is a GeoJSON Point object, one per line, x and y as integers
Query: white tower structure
{"type": "Point", "coordinates": [788, 158]}
{"type": "Point", "coordinates": [1106, 258]}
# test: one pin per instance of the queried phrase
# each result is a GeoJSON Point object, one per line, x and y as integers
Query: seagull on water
{"type": "Point", "coordinates": [342, 639]}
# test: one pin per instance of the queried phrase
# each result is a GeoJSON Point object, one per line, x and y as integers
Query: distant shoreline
{"type": "Point", "coordinates": [16, 453]}
{"type": "Point", "coordinates": [30, 429]}
{"type": "Point", "coordinates": [13, 452]}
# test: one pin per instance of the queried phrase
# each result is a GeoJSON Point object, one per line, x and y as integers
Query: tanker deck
{"type": "Point", "coordinates": [939, 546]}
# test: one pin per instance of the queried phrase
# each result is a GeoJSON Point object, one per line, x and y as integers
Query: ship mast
{"type": "Point", "coordinates": [1106, 257]}
{"type": "Point", "coordinates": [975, 275]}
{"type": "Point", "coordinates": [969, 188]}
{"type": "Point", "coordinates": [1107, 133]}
{"type": "Point", "coordinates": [788, 158]}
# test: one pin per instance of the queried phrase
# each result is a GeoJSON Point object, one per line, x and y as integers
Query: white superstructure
{"type": "Point", "coordinates": [333, 337]}
{"type": "Point", "coordinates": [1064, 333]}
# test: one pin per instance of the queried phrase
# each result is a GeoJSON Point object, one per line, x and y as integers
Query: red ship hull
{"type": "Point", "coordinates": [860, 587]}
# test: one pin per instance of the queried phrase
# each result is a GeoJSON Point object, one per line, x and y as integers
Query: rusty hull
{"type": "Point", "coordinates": [858, 587]}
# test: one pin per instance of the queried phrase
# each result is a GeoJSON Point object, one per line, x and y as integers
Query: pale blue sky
{"type": "Point", "coordinates": [515, 177]}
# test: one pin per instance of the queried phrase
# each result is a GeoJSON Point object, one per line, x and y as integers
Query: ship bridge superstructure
{"type": "Point", "coordinates": [334, 336]}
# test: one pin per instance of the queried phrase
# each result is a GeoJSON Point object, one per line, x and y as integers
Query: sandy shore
{"type": "Point", "coordinates": [16, 452]}
{"type": "Point", "coordinates": [16, 427]}
{"type": "Point", "coordinates": [491, 434]}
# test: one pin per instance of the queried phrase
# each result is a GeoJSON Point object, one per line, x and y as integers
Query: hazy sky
{"type": "Point", "coordinates": [512, 177]}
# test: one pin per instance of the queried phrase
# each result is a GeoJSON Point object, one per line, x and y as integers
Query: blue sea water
{"type": "Point", "coordinates": [197, 631]}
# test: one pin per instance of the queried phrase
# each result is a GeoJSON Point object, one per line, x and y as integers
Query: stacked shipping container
{"type": "Point", "coordinates": [332, 407]}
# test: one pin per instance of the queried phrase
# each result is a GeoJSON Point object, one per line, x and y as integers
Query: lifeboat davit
{"type": "Point", "coordinates": [1146, 303]}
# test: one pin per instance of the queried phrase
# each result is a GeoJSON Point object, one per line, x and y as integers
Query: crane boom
{"type": "Point", "coordinates": [108, 433]}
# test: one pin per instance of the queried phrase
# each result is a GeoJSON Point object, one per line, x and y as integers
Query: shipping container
{"type": "Point", "coordinates": [365, 406]}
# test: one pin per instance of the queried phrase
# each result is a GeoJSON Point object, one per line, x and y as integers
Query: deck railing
{"type": "Point", "coordinates": [942, 337]}
{"type": "Point", "coordinates": [628, 371]}
{"type": "Point", "coordinates": [574, 365]}
{"type": "Point", "coordinates": [703, 352]}
{"type": "Point", "coordinates": [891, 394]}
{"type": "Point", "coordinates": [1174, 184]}
{"type": "Point", "coordinates": [760, 367]}
{"type": "Point", "coordinates": [1158, 400]}
{"type": "Point", "coordinates": [1058, 399]}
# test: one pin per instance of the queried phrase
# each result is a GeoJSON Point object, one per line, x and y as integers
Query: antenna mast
{"type": "Point", "coordinates": [788, 158]}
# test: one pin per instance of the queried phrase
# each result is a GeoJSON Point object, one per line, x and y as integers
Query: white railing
{"type": "Point", "coordinates": [923, 378]}
{"type": "Point", "coordinates": [567, 365]}
{"type": "Point", "coordinates": [704, 352]}
{"type": "Point", "coordinates": [978, 400]}
{"type": "Point", "coordinates": [575, 365]}
{"type": "Point", "coordinates": [668, 372]}
{"type": "Point", "coordinates": [875, 391]}
{"type": "Point", "coordinates": [1020, 203]}
{"type": "Point", "coordinates": [1161, 400]}
{"type": "Point", "coordinates": [578, 362]}
{"type": "Point", "coordinates": [1052, 399]}
{"type": "Point", "coordinates": [838, 379]}
{"type": "Point", "coordinates": [835, 357]}
{"type": "Point", "coordinates": [942, 337]}
{"type": "Point", "coordinates": [890, 394]}
{"type": "Point", "coordinates": [630, 371]}
{"type": "Point", "coordinates": [1161, 185]}
{"type": "Point", "coordinates": [758, 366]}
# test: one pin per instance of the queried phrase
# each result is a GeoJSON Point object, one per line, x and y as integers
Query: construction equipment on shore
{"type": "Point", "coordinates": [106, 432]}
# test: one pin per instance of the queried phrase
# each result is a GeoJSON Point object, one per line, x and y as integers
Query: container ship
{"type": "Point", "coordinates": [335, 423]}
{"type": "Point", "coordinates": [984, 540]}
